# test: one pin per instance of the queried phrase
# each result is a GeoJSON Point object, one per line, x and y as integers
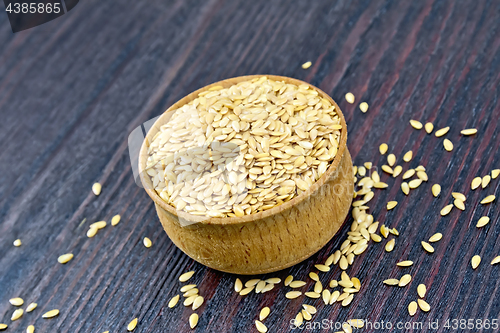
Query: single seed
{"type": "Point", "coordinates": [391, 159]}
{"type": "Point", "coordinates": [420, 168]}
{"type": "Point", "coordinates": [260, 286]}
{"type": "Point", "coordinates": [191, 292]}
{"type": "Point", "coordinates": [288, 280]}
{"type": "Point", "coordinates": [356, 283]}
{"type": "Point", "coordinates": [333, 283]}
{"type": "Point", "coordinates": [405, 263]}
{"type": "Point", "coordinates": [318, 287]}
{"type": "Point", "coordinates": [187, 287]}
{"type": "Point", "coordinates": [115, 220]}
{"type": "Point", "coordinates": [416, 124]}
{"type": "Point", "coordinates": [343, 263]}
{"type": "Point", "coordinates": [442, 131]}
{"type": "Point", "coordinates": [98, 225]}
{"type": "Point", "coordinates": [495, 173]}
{"type": "Point", "coordinates": [17, 301]}
{"type": "Point", "coordinates": [405, 279]}
{"type": "Point", "coordinates": [363, 107]}
{"type": "Point", "coordinates": [326, 296]}
{"type": "Point", "coordinates": [3, 327]}
{"type": "Point", "coordinates": [322, 268]}
{"type": "Point", "coordinates": [299, 319]}
{"type": "Point", "coordinates": [427, 247]}
{"type": "Point", "coordinates": [297, 284]}
{"type": "Point", "coordinates": [429, 127]}
{"type": "Point", "coordinates": [397, 171]}
{"type": "Point", "coordinates": [346, 328]}
{"type": "Point", "coordinates": [383, 148]}
{"type": "Point", "coordinates": [92, 232]}
{"type": "Point", "coordinates": [147, 242]}
{"type": "Point", "coordinates": [190, 300]}
{"type": "Point", "coordinates": [436, 189]}
{"type": "Point", "coordinates": [446, 210]}
{"type": "Point", "coordinates": [65, 258]}
{"type": "Point", "coordinates": [422, 176]}
{"type": "Point", "coordinates": [496, 260]}
{"type": "Point", "coordinates": [476, 260]}
{"type": "Point", "coordinates": [306, 65]}
{"type": "Point", "coordinates": [329, 260]}
{"type": "Point", "coordinates": [384, 231]}
{"type": "Point", "coordinates": [96, 188]}
{"type": "Point", "coordinates": [408, 156]}
{"type": "Point", "coordinates": [349, 97]}
{"type": "Point", "coordinates": [264, 313]}
{"type": "Point", "coordinates": [459, 204]}
{"type": "Point", "coordinates": [268, 287]}
{"type": "Point", "coordinates": [173, 302]}
{"type": "Point", "coordinates": [198, 301]}
{"type": "Point", "coordinates": [376, 238]}
{"type": "Point", "coordinates": [333, 298]}
{"type": "Point", "coordinates": [424, 306]}
{"type": "Point", "coordinates": [273, 280]}
{"type": "Point", "coordinates": [409, 174]}
{"type": "Point", "coordinates": [436, 237]}
{"type": "Point", "coordinates": [260, 326]}
{"type": "Point", "coordinates": [314, 276]}
{"type": "Point", "coordinates": [458, 195]}
{"type": "Point", "coordinates": [390, 245]}
{"type": "Point", "coordinates": [30, 329]}
{"type": "Point", "coordinates": [247, 291]}
{"type": "Point", "coordinates": [31, 307]}
{"type": "Point", "coordinates": [414, 183]}
{"type": "Point", "coordinates": [348, 300]}
{"type": "Point", "coordinates": [380, 185]}
{"type": "Point", "coordinates": [312, 294]}
{"type": "Point", "coordinates": [405, 188]}
{"type": "Point", "coordinates": [17, 243]}
{"type": "Point", "coordinates": [412, 308]}
{"type": "Point", "coordinates": [50, 314]}
{"type": "Point", "coordinates": [193, 320]}
{"type": "Point", "coordinates": [488, 199]}
{"type": "Point", "coordinates": [238, 285]}
{"type": "Point", "coordinates": [448, 145]}
{"type": "Point", "coordinates": [485, 181]}
{"type": "Point", "coordinates": [387, 169]}
{"type": "Point", "coordinates": [391, 282]}
{"type": "Point", "coordinates": [483, 221]}
{"type": "Point", "coordinates": [293, 294]}
{"type": "Point", "coordinates": [131, 326]}
{"type": "Point", "coordinates": [17, 314]}
{"type": "Point", "coordinates": [251, 283]}
{"type": "Point", "coordinates": [476, 182]}
{"type": "Point", "coordinates": [309, 308]}
{"type": "Point", "coordinates": [469, 131]}
{"type": "Point", "coordinates": [421, 290]}
{"type": "Point", "coordinates": [391, 205]}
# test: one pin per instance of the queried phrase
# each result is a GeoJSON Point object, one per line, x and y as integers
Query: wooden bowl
{"type": "Point", "coordinates": [267, 241]}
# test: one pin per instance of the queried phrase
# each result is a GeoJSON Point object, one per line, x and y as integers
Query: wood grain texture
{"type": "Point", "coordinates": [73, 89]}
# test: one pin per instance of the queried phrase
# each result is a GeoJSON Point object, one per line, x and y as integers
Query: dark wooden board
{"type": "Point", "coordinates": [73, 89]}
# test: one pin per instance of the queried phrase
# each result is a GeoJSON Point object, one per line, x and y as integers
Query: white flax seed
{"type": "Point", "coordinates": [427, 247]}
{"type": "Point", "coordinates": [96, 188]}
{"type": "Point", "coordinates": [408, 156]}
{"type": "Point", "coordinates": [383, 148]}
{"type": "Point", "coordinates": [198, 301]}
{"type": "Point", "coordinates": [405, 279]}
{"type": "Point", "coordinates": [476, 260]}
{"type": "Point", "coordinates": [485, 181]}
{"type": "Point", "coordinates": [412, 308]}
{"type": "Point", "coordinates": [17, 301]}
{"type": "Point", "coordinates": [31, 307]}
{"type": "Point", "coordinates": [391, 205]}
{"type": "Point", "coordinates": [391, 160]}
{"type": "Point", "coordinates": [446, 210]}
{"type": "Point", "coordinates": [65, 258]}
{"type": "Point", "coordinates": [306, 65]}
{"type": "Point", "coordinates": [363, 107]}
{"type": "Point", "coordinates": [297, 284]}
{"type": "Point", "coordinates": [193, 320]}
{"type": "Point", "coordinates": [50, 314]}
{"type": "Point", "coordinates": [424, 306]}
{"type": "Point", "coordinates": [469, 131]}
{"type": "Point", "coordinates": [476, 182]}
{"type": "Point", "coordinates": [488, 199]}
{"type": "Point", "coordinates": [405, 263]}
{"type": "Point", "coordinates": [238, 285]}
{"type": "Point", "coordinates": [391, 282]}
{"type": "Point", "coordinates": [17, 314]}
{"type": "Point", "coordinates": [390, 245]}
{"type": "Point", "coordinates": [173, 301]}
{"type": "Point", "coordinates": [147, 242]}
{"type": "Point", "coordinates": [288, 280]}
{"type": "Point", "coordinates": [115, 220]}
{"type": "Point", "coordinates": [436, 237]}
{"type": "Point", "coordinates": [416, 124]}
{"type": "Point", "coordinates": [429, 127]}
{"type": "Point", "coordinates": [264, 313]}
{"type": "Point", "coordinates": [496, 260]}
{"type": "Point", "coordinates": [442, 131]}
{"type": "Point", "coordinates": [421, 290]}
{"type": "Point", "coordinates": [258, 324]}
{"type": "Point", "coordinates": [349, 97]}
{"type": "Point", "coordinates": [17, 243]}
{"type": "Point", "coordinates": [436, 189]}
{"type": "Point", "coordinates": [484, 220]}
{"type": "Point", "coordinates": [293, 294]}
{"type": "Point", "coordinates": [448, 145]}
{"type": "Point", "coordinates": [495, 173]}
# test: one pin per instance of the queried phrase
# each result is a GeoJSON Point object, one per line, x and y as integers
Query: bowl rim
{"type": "Point", "coordinates": [251, 217]}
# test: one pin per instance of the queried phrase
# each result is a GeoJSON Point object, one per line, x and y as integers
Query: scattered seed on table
{"type": "Point", "coordinates": [488, 199]}
{"type": "Point", "coordinates": [485, 181]}
{"type": "Point", "coordinates": [238, 285]}
{"type": "Point", "coordinates": [429, 127]}
{"type": "Point", "coordinates": [322, 268]}
{"type": "Point", "coordinates": [346, 328]}
{"type": "Point", "coordinates": [293, 294]}
{"type": "Point", "coordinates": [405, 263]}
{"type": "Point", "coordinates": [258, 324]}
{"type": "Point", "coordinates": [420, 168]}
{"type": "Point", "coordinates": [391, 205]}
{"type": "Point", "coordinates": [436, 189]}
{"type": "Point", "coordinates": [422, 176]}
{"type": "Point", "coordinates": [363, 107]}
{"type": "Point", "coordinates": [268, 287]}
{"type": "Point", "coordinates": [496, 260]}
{"type": "Point", "coordinates": [309, 308]}
{"type": "Point", "coordinates": [260, 286]}
{"type": "Point", "coordinates": [475, 261]}
{"type": "Point", "coordinates": [380, 185]}
{"type": "Point", "coordinates": [30, 329]}
{"type": "Point", "coordinates": [484, 220]}
{"type": "Point", "coordinates": [436, 237]}
{"type": "Point", "coordinates": [306, 65]}
{"type": "Point", "coordinates": [17, 301]}
{"type": "Point", "coordinates": [247, 291]}
{"type": "Point", "coordinates": [193, 320]}
{"type": "Point", "coordinates": [50, 314]}
{"type": "Point", "coordinates": [17, 314]}
{"type": "Point", "coordinates": [297, 284]}
{"type": "Point", "coordinates": [326, 294]}
{"type": "Point", "coordinates": [421, 290]}
{"type": "Point", "coordinates": [387, 169]}
{"type": "Point", "coordinates": [333, 283]}
{"type": "Point", "coordinates": [115, 220]}
{"type": "Point", "coordinates": [446, 210]}
{"type": "Point", "coordinates": [333, 298]}
{"type": "Point", "coordinates": [397, 171]}
{"type": "Point", "coordinates": [173, 301]}
{"type": "Point", "coordinates": [273, 280]}
{"type": "Point", "coordinates": [99, 225]}
{"type": "Point", "coordinates": [31, 307]}
{"type": "Point", "coordinates": [414, 183]}
{"type": "Point", "coordinates": [3, 327]}
{"type": "Point", "coordinates": [476, 182]}
{"type": "Point", "coordinates": [412, 308]}
{"type": "Point", "coordinates": [348, 300]}
{"type": "Point", "coordinates": [288, 280]}
{"type": "Point", "coordinates": [187, 287]}
{"type": "Point", "coordinates": [252, 282]}
{"type": "Point", "coordinates": [361, 171]}
{"type": "Point", "coordinates": [391, 159]}
{"type": "Point", "coordinates": [405, 279]}
{"type": "Point", "coordinates": [318, 287]}
{"type": "Point", "coordinates": [298, 319]}
{"type": "Point", "coordinates": [442, 131]}
{"type": "Point", "coordinates": [459, 196]}
{"type": "Point", "coordinates": [147, 242]}
{"type": "Point", "coordinates": [409, 173]}
{"type": "Point", "coordinates": [383, 148]}
{"type": "Point", "coordinates": [17, 243]}
{"type": "Point", "coordinates": [459, 204]}
{"type": "Point", "coordinates": [416, 124]}
{"type": "Point", "coordinates": [190, 300]}
{"type": "Point", "coordinates": [131, 326]}
{"type": "Point", "coordinates": [391, 282]}
{"type": "Point", "coordinates": [264, 313]}
{"type": "Point", "coordinates": [65, 258]}
{"type": "Point", "coordinates": [408, 156]}
{"type": "Point", "coordinates": [314, 276]}
{"type": "Point", "coordinates": [390, 245]}
{"type": "Point", "coordinates": [469, 131]}
{"type": "Point", "coordinates": [343, 263]}
{"type": "Point", "coordinates": [191, 292]}
{"type": "Point", "coordinates": [92, 232]}
{"type": "Point", "coordinates": [427, 247]}
{"type": "Point", "coordinates": [376, 238]}
{"type": "Point", "coordinates": [448, 145]}
{"type": "Point", "coordinates": [424, 306]}
{"type": "Point", "coordinates": [349, 97]}
{"type": "Point", "coordinates": [495, 173]}
{"type": "Point", "coordinates": [96, 188]}
{"type": "Point", "coordinates": [312, 294]}
{"type": "Point", "coordinates": [198, 301]}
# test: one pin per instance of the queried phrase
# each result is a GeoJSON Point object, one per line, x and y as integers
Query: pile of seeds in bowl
{"type": "Point", "coordinates": [243, 149]}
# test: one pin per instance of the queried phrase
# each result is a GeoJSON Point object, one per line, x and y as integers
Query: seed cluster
{"type": "Point", "coordinates": [191, 296]}
{"type": "Point", "coordinates": [243, 149]}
